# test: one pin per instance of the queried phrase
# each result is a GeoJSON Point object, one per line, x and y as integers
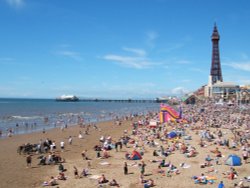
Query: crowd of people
{"type": "Point", "coordinates": [217, 127]}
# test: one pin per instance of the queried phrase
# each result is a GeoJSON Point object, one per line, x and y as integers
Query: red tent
{"type": "Point", "coordinates": [135, 155]}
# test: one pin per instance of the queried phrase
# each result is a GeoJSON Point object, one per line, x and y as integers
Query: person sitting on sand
{"type": "Point", "coordinates": [150, 183]}
{"type": "Point", "coordinates": [191, 153]}
{"type": "Point", "coordinates": [202, 179]}
{"type": "Point", "coordinates": [102, 179]}
{"type": "Point", "coordinates": [61, 168]}
{"type": "Point", "coordinates": [183, 148]}
{"type": "Point", "coordinates": [127, 156]}
{"type": "Point", "coordinates": [113, 183]}
{"type": "Point", "coordinates": [173, 169]}
{"type": "Point", "coordinates": [42, 160]}
{"type": "Point", "coordinates": [216, 152]}
{"type": "Point", "coordinates": [85, 172]}
{"type": "Point", "coordinates": [231, 174]}
{"type": "Point", "coordinates": [51, 182]}
{"type": "Point", "coordinates": [105, 154]}
{"type": "Point", "coordinates": [164, 164]}
{"type": "Point", "coordinates": [155, 153]}
{"type": "Point", "coordinates": [208, 160]}
{"type": "Point", "coordinates": [241, 184]}
{"type": "Point", "coordinates": [141, 179]}
{"type": "Point", "coordinates": [201, 143]}
{"type": "Point", "coordinates": [159, 170]}
{"type": "Point", "coordinates": [61, 176]}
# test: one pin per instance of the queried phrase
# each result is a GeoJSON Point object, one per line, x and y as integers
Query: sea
{"type": "Point", "coordinates": [20, 116]}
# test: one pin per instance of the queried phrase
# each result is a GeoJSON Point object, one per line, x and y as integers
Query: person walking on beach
{"type": "Point", "coordinates": [62, 146]}
{"type": "Point", "coordinates": [70, 140]}
{"type": "Point", "coordinates": [125, 168]}
{"type": "Point", "coordinates": [142, 168]}
{"type": "Point", "coordinates": [28, 161]}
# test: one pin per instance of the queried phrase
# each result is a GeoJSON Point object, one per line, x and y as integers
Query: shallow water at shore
{"type": "Point", "coordinates": [32, 115]}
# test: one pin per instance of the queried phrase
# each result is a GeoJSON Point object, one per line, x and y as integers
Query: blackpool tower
{"type": "Point", "coordinates": [215, 72]}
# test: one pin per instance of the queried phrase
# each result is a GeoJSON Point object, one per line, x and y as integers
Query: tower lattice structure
{"type": "Point", "coordinates": [215, 72]}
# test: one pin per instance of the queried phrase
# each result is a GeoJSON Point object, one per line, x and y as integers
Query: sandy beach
{"type": "Point", "coordinates": [15, 173]}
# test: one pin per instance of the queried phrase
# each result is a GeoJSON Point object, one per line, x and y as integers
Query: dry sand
{"type": "Point", "coordinates": [15, 174]}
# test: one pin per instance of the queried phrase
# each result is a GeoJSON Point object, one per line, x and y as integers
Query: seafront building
{"type": "Point", "coordinates": [217, 89]}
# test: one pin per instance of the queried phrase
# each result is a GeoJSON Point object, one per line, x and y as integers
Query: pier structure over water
{"type": "Point", "coordinates": [124, 100]}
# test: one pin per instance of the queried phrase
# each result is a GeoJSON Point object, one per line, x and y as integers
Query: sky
{"type": "Point", "coordinates": [119, 48]}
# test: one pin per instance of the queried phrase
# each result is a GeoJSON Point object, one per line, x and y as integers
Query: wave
{"type": "Point", "coordinates": [27, 117]}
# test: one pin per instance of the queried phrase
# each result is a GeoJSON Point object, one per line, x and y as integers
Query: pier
{"type": "Point", "coordinates": [124, 100]}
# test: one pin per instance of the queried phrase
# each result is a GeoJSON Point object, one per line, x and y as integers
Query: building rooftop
{"type": "Point", "coordinates": [225, 84]}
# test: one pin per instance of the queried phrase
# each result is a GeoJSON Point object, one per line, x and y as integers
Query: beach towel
{"type": "Point", "coordinates": [104, 163]}
{"type": "Point", "coordinates": [95, 177]}
{"type": "Point", "coordinates": [184, 165]}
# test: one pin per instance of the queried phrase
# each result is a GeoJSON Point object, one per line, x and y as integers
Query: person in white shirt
{"type": "Point", "coordinates": [62, 145]}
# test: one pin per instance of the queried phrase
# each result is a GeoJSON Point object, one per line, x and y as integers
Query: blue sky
{"type": "Point", "coordinates": [119, 48]}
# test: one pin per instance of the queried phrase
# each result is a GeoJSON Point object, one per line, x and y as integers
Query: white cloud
{"type": "Point", "coordinates": [15, 3]}
{"type": "Point", "coordinates": [137, 60]}
{"type": "Point", "coordinates": [128, 61]}
{"type": "Point", "coordinates": [245, 66]}
{"type": "Point", "coordinates": [179, 91]}
{"type": "Point", "coordinates": [139, 52]}
{"type": "Point", "coordinates": [71, 54]}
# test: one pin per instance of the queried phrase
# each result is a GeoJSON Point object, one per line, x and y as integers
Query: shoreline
{"type": "Point", "coordinates": [35, 176]}
{"type": "Point", "coordinates": [16, 174]}
{"type": "Point", "coordinates": [38, 115]}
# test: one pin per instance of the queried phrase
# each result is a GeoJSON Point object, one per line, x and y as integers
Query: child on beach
{"type": "Point", "coordinates": [76, 172]}
{"type": "Point", "coordinates": [28, 160]}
